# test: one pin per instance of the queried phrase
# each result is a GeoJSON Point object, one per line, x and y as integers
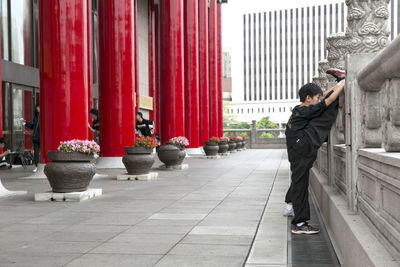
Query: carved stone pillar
{"type": "Point", "coordinates": [337, 45]}
{"type": "Point", "coordinates": [323, 66]}
{"type": "Point", "coordinates": [367, 25]}
{"type": "Point", "coordinates": [367, 32]}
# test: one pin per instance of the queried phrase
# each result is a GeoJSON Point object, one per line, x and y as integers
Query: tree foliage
{"type": "Point", "coordinates": [265, 123]}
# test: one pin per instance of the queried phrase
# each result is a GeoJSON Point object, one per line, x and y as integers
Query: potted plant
{"type": "Point", "coordinates": [173, 152]}
{"type": "Point", "coordinates": [223, 145]}
{"type": "Point", "coordinates": [243, 141]}
{"type": "Point", "coordinates": [211, 147]}
{"type": "Point", "coordinates": [239, 142]}
{"type": "Point", "coordinates": [72, 166]}
{"type": "Point", "coordinates": [232, 143]}
{"type": "Point", "coordinates": [140, 158]}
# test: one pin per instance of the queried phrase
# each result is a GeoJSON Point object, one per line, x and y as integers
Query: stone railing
{"type": "Point", "coordinates": [357, 173]}
{"type": "Point", "coordinates": [261, 138]}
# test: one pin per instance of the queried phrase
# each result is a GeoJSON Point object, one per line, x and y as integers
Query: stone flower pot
{"type": "Point", "coordinates": [239, 144]}
{"type": "Point", "coordinates": [223, 147]}
{"type": "Point", "coordinates": [243, 143]}
{"type": "Point", "coordinates": [171, 155]}
{"type": "Point", "coordinates": [232, 145]}
{"type": "Point", "coordinates": [138, 160]}
{"type": "Point", "coordinates": [211, 148]}
{"type": "Point", "coordinates": [69, 171]}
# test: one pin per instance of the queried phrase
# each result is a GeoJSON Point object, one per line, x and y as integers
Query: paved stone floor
{"type": "Point", "coordinates": [207, 215]}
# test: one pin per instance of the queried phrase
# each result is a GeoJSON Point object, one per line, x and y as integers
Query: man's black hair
{"type": "Point", "coordinates": [94, 112]}
{"type": "Point", "coordinates": [2, 140]}
{"type": "Point", "coordinates": [311, 90]}
{"type": "Point", "coordinates": [140, 114]}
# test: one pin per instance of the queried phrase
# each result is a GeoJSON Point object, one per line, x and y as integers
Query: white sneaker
{"type": "Point", "coordinates": [288, 213]}
{"type": "Point", "coordinates": [34, 170]}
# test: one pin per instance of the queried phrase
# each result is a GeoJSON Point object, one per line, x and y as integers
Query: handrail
{"type": "Point", "coordinates": [385, 65]}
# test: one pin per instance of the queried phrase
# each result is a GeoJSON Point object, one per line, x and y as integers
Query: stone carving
{"type": "Point", "coordinates": [323, 66]}
{"type": "Point", "coordinates": [367, 25]}
{"type": "Point", "coordinates": [338, 47]}
{"type": "Point", "coordinates": [371, 119]}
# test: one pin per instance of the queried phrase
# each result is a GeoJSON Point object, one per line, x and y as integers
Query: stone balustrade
{"type": "Point", "coordinates": [360, 165]}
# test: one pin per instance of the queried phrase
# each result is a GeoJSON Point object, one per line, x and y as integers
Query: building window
{"type": "Point", "coordinates": [284, 109]}
{"type": "Point", "coordinates": [269, 110]}
{"type": "Point", "coordinates": [262, 110]}
{"type": "Point", "coordinates": [273, 109]}
{"type": "Point", "coordinates": [280, 109]}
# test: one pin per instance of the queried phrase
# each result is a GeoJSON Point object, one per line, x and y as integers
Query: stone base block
{"type": "Point", "coordinates": [224, 154]}
{"type": "Point", "coordinates": [213, 157]}
{"type": "Point", "coordinates": [6, 193]}
{"type": "Point", "coordinates": [177, 167]}
{"type": "Point", "coordinates": [73, 196]}
{"type": "Point", "coordinates": [136, 177]}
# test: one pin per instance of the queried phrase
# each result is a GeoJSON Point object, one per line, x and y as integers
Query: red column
{"type": "Point", "coordinates": [1, 99]}
{"type": "Point", "coordinates": [90, 64]}
{"type": "Point", "coordinates": [172, 115]}
{"type": "Point", "coordinates": [219, 78]}
{"type": "Point", "coordinates": [203, 71]}
{"type": "Point", "coordinates": [157, 70]}
{"type": "Point", "coordinates": [192, 72]}
{"type": "Point", "coordinates": [117, 76]}
{"type": "Point", "coordinates": [152, 67]}
{"type": "Point", "coordinates": [213, 71]}
{"type": "Point", "coordinates": [136, 91]}
{"type": "Point", "coordinates": [63, 72]}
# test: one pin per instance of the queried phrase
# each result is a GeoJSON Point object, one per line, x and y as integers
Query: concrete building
{"type": "Point", "coordinates": [279, 51]}
{"type": "Point", "coordinates": [74, 55]}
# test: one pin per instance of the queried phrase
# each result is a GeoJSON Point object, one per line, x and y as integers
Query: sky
{"type": "Point", "coordinates": [232, 12]}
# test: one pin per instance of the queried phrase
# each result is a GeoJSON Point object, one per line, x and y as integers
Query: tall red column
{"type": "Point", "coordinates": [157, 70]}
{"type": "Point", "coordinates": [63, 72]}
{"type": "Point", "coordinates": [152, 68]}
{"type": "Point", "coordinates": [213, 71]}
{"type": "Point", "coordinates": [203, 71]}
{"type": "Point", "coordinates": [219, 78]}
{"type": "Point", "coordinates": [136, 92]}
{"type": "Point", "coordinates": [192, 72]}
{"type": "Point", "coordinates": [117, 76]}
{"type": "Point", "coordinates": [90, 64]}
{"type": "Point", "coordinates": [172, 115]}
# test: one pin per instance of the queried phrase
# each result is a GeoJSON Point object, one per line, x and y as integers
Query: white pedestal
{"type": "Point", "coordinates": [193, 152]}
{"type": "Point", "coordinates": [73, 196]}
{"type": "Point", "coordinates": [109, 163]}
{"type": "Point", "coordinates": [5, 193]}
{"type": "Point", "coordinates": [213, 157]}
{"type": "Point", "coordinates": [136, 177]}
{"type": "Point", "coordinates": [176, 167]}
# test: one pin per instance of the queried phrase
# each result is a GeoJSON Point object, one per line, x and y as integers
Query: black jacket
{"type": "Point", "coordinates": [35, 126]}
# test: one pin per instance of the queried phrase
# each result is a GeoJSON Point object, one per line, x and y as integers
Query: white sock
{"type": "Point", "coordinates": [300, 224]}
{"type": "Point", "coordinates": [289, 207]}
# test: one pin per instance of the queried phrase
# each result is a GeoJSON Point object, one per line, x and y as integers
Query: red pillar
{"type": "Point", "coordinates": [213, 71]}
{"type": "Point", "coordinates": [192, 72]}
{"type": "Point", "coordinates": [219, 78]}
{"type": "Point", "coordinates": [117, 76]}
{"type": "Point", "coordinates": [136, 91]}
{"type": "Point", "coordinates": [152, 62]}
{"type": "Point", "coordinates": [63, 72]}
{"type": "Point", "coordinates": [203, 71]}
{"type": "Point", "coordinates": [172, 115]}
{"type": "Point", "coordinates": [157, 71]}
{"type": "Point", "coordinates": [90, 65]}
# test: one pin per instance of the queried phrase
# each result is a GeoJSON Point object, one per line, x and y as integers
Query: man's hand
{"type": "Point", "coordinates": [8, 151]}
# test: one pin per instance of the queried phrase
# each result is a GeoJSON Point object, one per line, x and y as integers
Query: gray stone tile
{"type": "Point", "coordinates": [50, 246]}
{"type": "Point", "coordinates": [34, 259]}
{"type": "Point", "coordinates": [223, 230]}
{"type": "Point", "coordinates": [217, 240]}
{"type": "Point", "coordinates": [177, 216]}
{"type": "Point", "coordinates": [120, 260]}
{"type": "Point", "coordinates": [199, 261]}
{"type": "Point", "coordinates": [210, 250]}
{"type": "Point", "coordinates": [160, 229]}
